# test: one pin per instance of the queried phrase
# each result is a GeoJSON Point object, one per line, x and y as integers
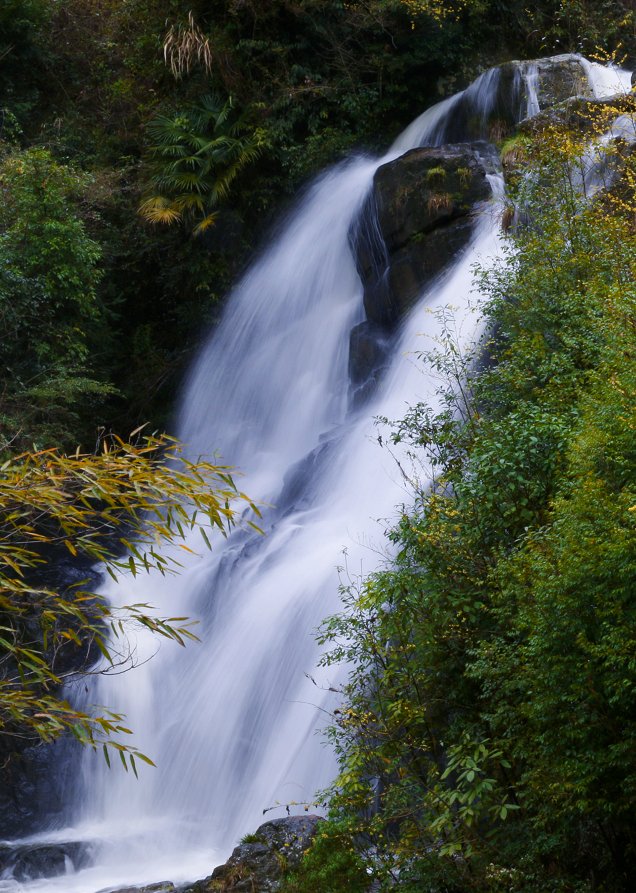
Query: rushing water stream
{"type": "Point", "coordinates": [231, 722]}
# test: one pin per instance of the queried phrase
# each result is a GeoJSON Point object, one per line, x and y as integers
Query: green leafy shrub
{"type": "Point", "coordinates": [331, 864]}
{"type": "Point", "coordinates": [120, 507]}
{"type": "Point", "coordinates": [196, 156]}
{"type": "Point", "coordinates": [486, 737]}
{"type": "Point", "coordinates": [49, 273]}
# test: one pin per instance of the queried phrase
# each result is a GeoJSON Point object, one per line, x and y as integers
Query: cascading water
{"type": "Point", "coordinates": [231, 722]}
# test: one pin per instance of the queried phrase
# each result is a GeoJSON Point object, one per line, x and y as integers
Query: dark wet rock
{"type": "Point", "coordinates": [300, 480]}
{"type": "Point", "coordinates": [161, 887]}
{"type": "Point", "coordinates": [259, 864]}
{"type": "Point", "coordinates": [30, 861]}
{"type": "Point", "coordinates": [419, 214]}
{"type": "Point", "coordinates": [417, 264]}
{"type": "Point", "coordinates": [426, 188]}
{"type": "Point", "coordinates": [368, 352]}
{"type": "Point", "coordinates": [488, 109]}
{"type": "Point", "coordinates": [31, 790]}
{"type": "Point", "coordinates": [491, 107]}
{"type": "Point", "coordinates": [422, 205]}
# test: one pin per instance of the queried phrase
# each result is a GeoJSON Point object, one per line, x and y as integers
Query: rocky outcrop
{"type": "Point", "coordinates": [31, 794]}
{"type": "Point", "coordinates": [557, 78]}
{"type": "Point", "coordinates": [422, 210]}
{"type": "Point", "coordinates": [492, 106]}
{"type": "Point", "coordinates": [259, 864]}
{"type": "Point", "coordinates": [31, 861]}
{"type": "Point", "coordinates": [370, 350]}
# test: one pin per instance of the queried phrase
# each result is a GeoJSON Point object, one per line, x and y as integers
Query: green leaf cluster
{"type": "Point", "coordinates": [196, 156]}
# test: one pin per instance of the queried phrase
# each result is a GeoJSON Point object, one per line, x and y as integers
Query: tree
{"type": "Point", "coordinates": [21, 53]}
{"type": "Point", "coordinates": [48, 300]}
{"type": "Point", "coordinates": [123, 508]}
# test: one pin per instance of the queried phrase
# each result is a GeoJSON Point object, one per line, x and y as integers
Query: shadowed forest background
{"type": "Point", "coordinates": [486, 737]}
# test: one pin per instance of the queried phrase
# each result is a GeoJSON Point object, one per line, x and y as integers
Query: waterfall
{"type": "Point", "coordinates": [231, 723]}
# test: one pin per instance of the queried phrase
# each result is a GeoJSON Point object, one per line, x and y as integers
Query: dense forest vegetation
{"type": "Point", "coordinates": [487, 734]}
{"type": "Point", "coordinates": [96, 99]}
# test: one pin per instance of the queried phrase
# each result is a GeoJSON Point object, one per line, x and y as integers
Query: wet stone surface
{"type": "Point", "coordinates": [28, 862]}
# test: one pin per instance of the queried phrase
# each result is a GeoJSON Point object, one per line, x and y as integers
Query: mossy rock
{"type": "Point", "coordinates": [580, 115]}
{"type": "Point", "coordinates": [422, 204]}
{"type": "Point", "coordinates": [260, 865]}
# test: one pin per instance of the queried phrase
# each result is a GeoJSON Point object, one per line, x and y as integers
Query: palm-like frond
{"type": "Point", "coordinates": [158, 209]}
{"type": "Point", "coordinates": [195, 156]}
{"type": "Point", "coordinates": [208, 221]}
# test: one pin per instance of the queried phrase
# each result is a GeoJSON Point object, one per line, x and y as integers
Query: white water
{"type": "Point", "coordinates": [231, 722]}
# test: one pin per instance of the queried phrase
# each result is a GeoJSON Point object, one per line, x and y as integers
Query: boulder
{"type": "Point", "coordinates": [491, 107]}
{"type": "Point", "coordinates": [558, 78]}
{"type": "Point", "coordinates": [581, 115]}
{"type": "Point", "coordinates": [299, 481]}
{"type": "Point", "coordinates": [421, 206]}
{"type": "Point", "coordinates": [259, 864]}
{"type": "Point", "coordinates": [31, 794]}
{"type": "Point", "coordinates": [31, 861]}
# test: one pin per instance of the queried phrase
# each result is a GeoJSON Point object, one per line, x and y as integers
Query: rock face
{"type": "Point", "coordinates": [27, 862]}
{"type": "Point", "coordinates": [418, 217]}
{"type": "Point", "coordinates": [31, 791]}
{"type": "Point", "coordinates": [161, 887]}
{"type": "Point", "coordinates": [559, 78]}
{"type": "Point", "coordinates": [259, 864]}
{"type": "Point", "coordinates": [369, 355]}
{"type": "Point", "coordinates": [492, 106]}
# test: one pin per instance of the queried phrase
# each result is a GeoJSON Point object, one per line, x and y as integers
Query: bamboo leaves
{"type": "Point", "coordinates": [80, 505]}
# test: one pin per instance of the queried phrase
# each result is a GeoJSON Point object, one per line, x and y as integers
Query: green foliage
{"type": "Point", "coordinates": [120, 507]}
{"type": "Point", "coordinates": [21, 51]}
{"type": "Point", "coordinates": [196, 156]}
{"type": "Point", "coordinates": [48, 299]}
{"type": "Point", "coordinates": [586, 26]}
{"type": "Point", "coordinates": [331, 864]}
{"type": "Point", "coordinates": [486, 740]}
{"type": "Point", "coordinates": [564, 670]}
